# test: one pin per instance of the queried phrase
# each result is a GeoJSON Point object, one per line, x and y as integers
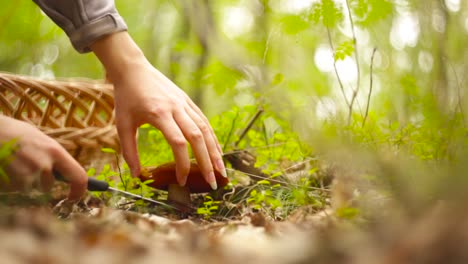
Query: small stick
{"type": "Point", "coordinates": [370, 87]}
{"type": "Point", "coordinates": [249, 125]}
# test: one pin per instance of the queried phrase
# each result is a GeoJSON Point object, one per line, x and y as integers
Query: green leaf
{"type": "Point", "coordinates": [293, 24]}
{"type": "Point", "coordinates": [277, 79]}
{"type": "Point", "coordinates": [148, 182]}
{"type": "Point", "coordinates": [359, 8]}
{"type": "Point", "coordinates": [316, 13]}
{"type": "Point", "coordinates": [201, 211]}
{"type": "Point", "coordinates": [331, 13]}
{"type": "Point", "coordinates": [91, 172]}
{"type": "Point", "coordinates": [220, 76]}
{"type": "Point", "coordinates": [275, 203]}
{"type": "Point", "coordinates": [344, 50]}
{"type": "Point", "coordinates": [368, 12]}
{"type": "Point", "coordinates": [264, 182]}
{"type": "Point", "coordinates": [108, 150]}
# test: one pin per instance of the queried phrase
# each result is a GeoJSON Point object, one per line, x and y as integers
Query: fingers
{"type": "Point", "coordinates": [72, 171]}
{"type": "Point", "coordinates": [211, 142]}
{"type": "Point", "coordinates": [127, 134]}
{"type": "Point", "coordinates": [36, 156]}
{"type": "Point", "coordinates": [196, 137]}
{"type": "Point", "coordinates": [176, 140]}
{"type": "Point", "coordinates": [27, 171]}
{"type": "Point", "coordinates": [155, 100]}
{"type": "Point", "coordinates": [200, 114]}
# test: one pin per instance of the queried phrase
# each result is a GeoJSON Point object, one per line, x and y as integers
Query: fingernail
{"type": "Point", "coordinates": [212, 181]}
{"type": "Point", "coordinates": [182, 180]}
{"type": "Point", "coordinates": [221, 168]}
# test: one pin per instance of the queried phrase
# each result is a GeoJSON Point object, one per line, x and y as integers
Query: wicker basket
{"type": "Point", "coordinates": [77, 113]}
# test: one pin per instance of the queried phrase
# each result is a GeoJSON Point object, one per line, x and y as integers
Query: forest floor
{"type": "Point", "coordinates": [46, 228]}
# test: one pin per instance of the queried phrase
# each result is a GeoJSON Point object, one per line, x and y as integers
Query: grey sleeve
{"type": "Point", "coordinates": [84, 21]}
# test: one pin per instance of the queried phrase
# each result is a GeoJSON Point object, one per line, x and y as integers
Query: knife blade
{"type": "Point", "coordinates": [95, 185]}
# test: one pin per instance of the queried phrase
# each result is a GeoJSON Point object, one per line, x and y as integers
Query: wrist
{"type": "Point", "coordinates": [119, 54]}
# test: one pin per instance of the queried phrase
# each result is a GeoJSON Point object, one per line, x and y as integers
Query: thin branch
{"type": "Point", "coordinates": [117, 159]}
{"type": "Point", "coordinates": [358, 81]}
{"type": "Point", "coordinates": [231, 131]}
{"type": "Point", "coordinates": [370, 87]}
{"type": "Point", "coordinates": [335, 68]}
{"type": "Point", "coordinates": [249, 125]}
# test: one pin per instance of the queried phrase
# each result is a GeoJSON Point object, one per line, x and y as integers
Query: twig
{"type": "Point", "coordinates": [249, 125]}
{"type": "Point", "coordinates": [335, 68]}
{"type": "Point", "coordinates": [370, 87]}
{"type": "Point", "coordinates": [117, 160]}
{"type": "Point", "coordinates": [231, 131]}
{"type": "Point", "coordinates": [358, 81]}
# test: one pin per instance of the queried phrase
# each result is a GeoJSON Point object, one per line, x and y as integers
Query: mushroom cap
{"type": "Point", "coordinates": [165, 174]}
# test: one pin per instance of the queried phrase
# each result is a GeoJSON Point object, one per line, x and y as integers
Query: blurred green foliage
{"type": "Point", "coordinates": [234, 53]}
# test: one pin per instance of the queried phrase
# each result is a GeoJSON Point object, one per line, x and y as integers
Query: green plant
{"type": "Point", "coordinates": [276, 149]}
{"type": "Point", "coordinates": [125, 180]}
{"type": "Point", "coordinates": [264, 198]}
{"type": "Point", "coordinates": [302, 194]}
{"type": "Point", "coordinates": [209, 208]}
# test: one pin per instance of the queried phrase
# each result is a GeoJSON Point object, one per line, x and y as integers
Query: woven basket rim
{"type": "Point", "coordinates": [76, 112]}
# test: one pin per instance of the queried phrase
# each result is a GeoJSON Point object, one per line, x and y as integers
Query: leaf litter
{"type": "Point", "coordinates": [358, 223]}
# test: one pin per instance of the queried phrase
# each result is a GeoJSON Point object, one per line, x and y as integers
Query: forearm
{"type": "Point", "coordinates": [84, 21]}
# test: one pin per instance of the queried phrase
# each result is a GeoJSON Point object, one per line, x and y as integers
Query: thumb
{"type": "Point", "coordinates": [127, 134]}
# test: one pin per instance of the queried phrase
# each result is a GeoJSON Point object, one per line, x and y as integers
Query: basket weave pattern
{"type": "Point", "coordinates": [77, 113]}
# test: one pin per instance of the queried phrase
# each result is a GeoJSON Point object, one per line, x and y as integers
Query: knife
{"type": "Point", "coordinates": [95, 185]}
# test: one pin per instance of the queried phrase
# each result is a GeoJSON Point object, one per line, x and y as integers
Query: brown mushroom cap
{"type": "Point", "coordinates": [165, 174]}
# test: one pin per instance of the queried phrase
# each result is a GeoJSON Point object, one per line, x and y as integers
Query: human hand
{"type": "Point", "coordinates": [37, 156]}
{"type": "Point", "coordinates": [145, 95]}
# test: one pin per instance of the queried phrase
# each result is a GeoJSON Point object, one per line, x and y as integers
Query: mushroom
{"type": "Point", "coordinates": [164, 178]}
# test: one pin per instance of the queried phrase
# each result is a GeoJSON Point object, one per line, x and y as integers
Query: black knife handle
{"type": "Point", "coordinates": [94, 185]}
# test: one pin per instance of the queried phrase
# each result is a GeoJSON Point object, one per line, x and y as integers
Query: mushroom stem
{"type": "Point", "coordinates": [179, 194]}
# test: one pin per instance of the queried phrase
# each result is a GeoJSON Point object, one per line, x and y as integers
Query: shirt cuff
{"type": "Point", "coordinates": [84, 37]}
